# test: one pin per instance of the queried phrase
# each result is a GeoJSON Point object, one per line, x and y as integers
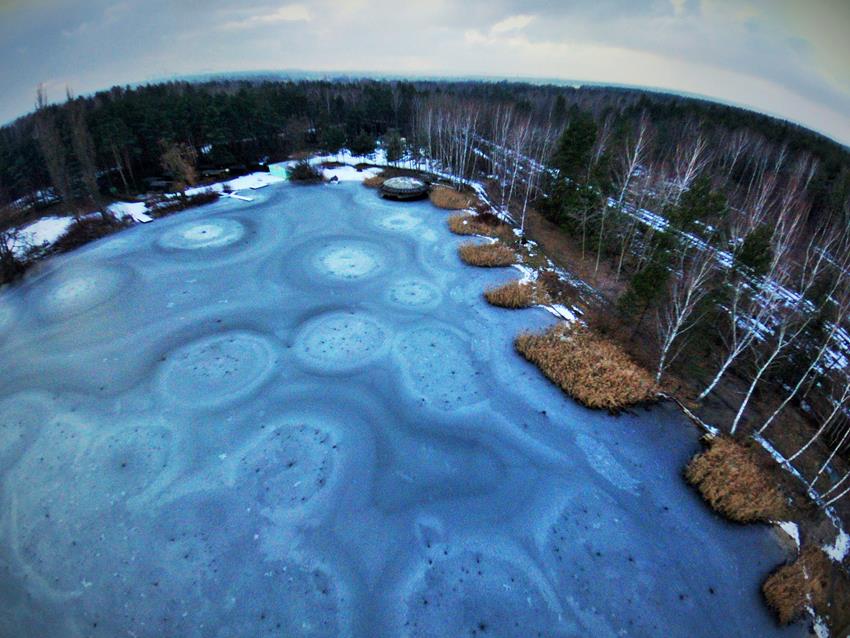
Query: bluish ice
{"type": "Point", "coordinates": [298, 417]}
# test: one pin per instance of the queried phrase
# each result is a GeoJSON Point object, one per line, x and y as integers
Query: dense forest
{"type": "Point", "coordinates": [121, 133]}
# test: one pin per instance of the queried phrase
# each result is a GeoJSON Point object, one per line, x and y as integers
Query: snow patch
{"type": "Point", "coordinates": [560, 310]}
{"type": "Point", "coordinates": [137, 211]}
{"type": "Point", "coordinates": [839, 548]}
{"type": "Point", "coordinates": [348, 173]}
{"type": "Point", "coordinates": [820, 627]}
{"type": "Point", "coordinates": [528, 274]}
{"type": "Point", "coordinates": [253, 181]}
{"type": "Point", "coordinates": [41, 233]}
{"type": "Point", "coordinates": [790, 528]}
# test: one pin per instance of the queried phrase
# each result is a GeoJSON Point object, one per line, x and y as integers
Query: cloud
{"type": "Point", "coordinates": [775, 55]}
{"type": "Point", "coordinates": [264, 17]}
{"type": "Point", "coordinates": [512, 23]}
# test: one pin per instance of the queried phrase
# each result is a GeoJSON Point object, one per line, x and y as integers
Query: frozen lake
{"type": "Point", "coordinates": [298, 417]}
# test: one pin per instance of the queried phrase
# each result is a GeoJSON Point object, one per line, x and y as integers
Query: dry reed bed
{"type": "Point", "coordinates": [517, 294]}
{"type": "Point", "coordinates": [733, 482]}
{"type": "Point", "coordinates": [376, 181]}
{"type": "Point", "coordinates": [450, 199]}
{"type": "Point", "coordinates": [493, 255]}
{"type": "Point", "coordinates": [595, 372]}
{"type": "Point", "coordinates": [487, 225]}
{"type": "Point", "coordinates": [794, 586]}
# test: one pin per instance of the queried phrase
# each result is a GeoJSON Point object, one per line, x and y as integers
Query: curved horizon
{"type": "Point", "coordinates": [778, 58]}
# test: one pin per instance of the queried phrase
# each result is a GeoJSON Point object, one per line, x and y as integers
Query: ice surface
{"type": "Point", "coordinates": [296, 416]}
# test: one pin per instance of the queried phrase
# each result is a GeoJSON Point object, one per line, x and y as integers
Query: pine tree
{"type": "Point", "coordinates": [573, 154]}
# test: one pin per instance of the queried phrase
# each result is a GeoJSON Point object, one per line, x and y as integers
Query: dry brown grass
{"type": "Point", "coordinates": [450, 199]}
{"type": "Point", "coordinates": [485, 224]}
{"type": "Point", "coordinates": [790, 588]}
{"type": "Point", "coordinates": [595, 372]}
{"type": "Point", "coordinates": [376, 181]}
{"type": "Point", "coordinates": [487, 255]}
{"type": "Point", "coordinates": [517, 294]}
{"type": "Point", "coordinates": [734, 483]}
{"type": "Point", "coordinates": [468, 225]}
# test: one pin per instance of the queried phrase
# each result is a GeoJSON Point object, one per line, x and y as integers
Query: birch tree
{"type": "Point", "coordinates": [633, 156]}
{"type": "Point", "coordinates": [690, 159]}
{"type": "Point", "coordinates": [837, 297]}
{"type": "Point", "coordinates": [679, 314]}
{"type": "Point", "coordinates": [792, 318]}
{"type": "Point", "coordinates": [840, 400]}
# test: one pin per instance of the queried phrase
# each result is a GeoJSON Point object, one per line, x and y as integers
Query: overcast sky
{"type": "Point", "coordinates": [789, 58]}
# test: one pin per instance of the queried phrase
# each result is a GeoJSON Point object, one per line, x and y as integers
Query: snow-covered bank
{"type": "Point", "coordinates": [43, 233]}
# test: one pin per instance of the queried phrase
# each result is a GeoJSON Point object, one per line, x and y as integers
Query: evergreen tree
{"type": "Point", "coordinates": [698, 203]}
{"type": "Point", "coordinates": [755, 253]}
{"type": "Point", "coordinates": [333, 139]}
{"type": "Point", "coordinates": [646, 288]}
{"type": "Point", "coordinates": [363, 144]}
{"type": "Point", "coordinates": [394, 146]}
{"type": "Point", "coordinates": [573, 154]}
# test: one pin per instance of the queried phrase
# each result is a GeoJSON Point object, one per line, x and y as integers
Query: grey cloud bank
{"type": "Point", "coordinates": [778, 57]}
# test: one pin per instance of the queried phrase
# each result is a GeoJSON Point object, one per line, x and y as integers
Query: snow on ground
{"type": "Point", "coordinates": [253, 181]}
{"type": "Point", "coordinates": [839, 548]}
{"type": "Point", "coordinates": [43, 232]}
{"type": "Point", "coordinates": [819, 626]}
{"type": "Point", "coordinates": [790, 528]}
{"type": "Point", "coordinates": [242, 198]}
{"type": "Point", "coordinates": [349, 173]}
{"type": "Point", "coordinates": [137, 211]}
{"type": "Point", "coordinates": [528, 274]}
{"type": "Point", "coordinates": [560, 310]}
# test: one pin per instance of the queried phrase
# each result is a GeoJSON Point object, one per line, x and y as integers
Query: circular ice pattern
{"type": "Point", "coordinates": [77, 289]}
{"type": "Point", "coordinates": [440, 369]}
{"type": "Point", "coordinates": [289, 466]}
{"type": "Point", "coordinates": [349, 260]}
{"type": "Point", "coordinates": [399, 221]}
{"type": "Point", "coordinates": [21, 418]}
{"type": "Point", "coordinates": [470, 593]}
{"type": "Point", "coordinates": [413, 293]}
{"type": "Point", "coordinates": [203, 234]}
{"type": "Point", "coordinates": [130, 459]}
{"type": "Point", "coordinates": [217, 370]}
{"type": "Point", "coordinates": [291, 599]}
{"type": "Point", "coordinates": [341, 341]}
{"type": "Point", "coordinates": [69, 502]}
